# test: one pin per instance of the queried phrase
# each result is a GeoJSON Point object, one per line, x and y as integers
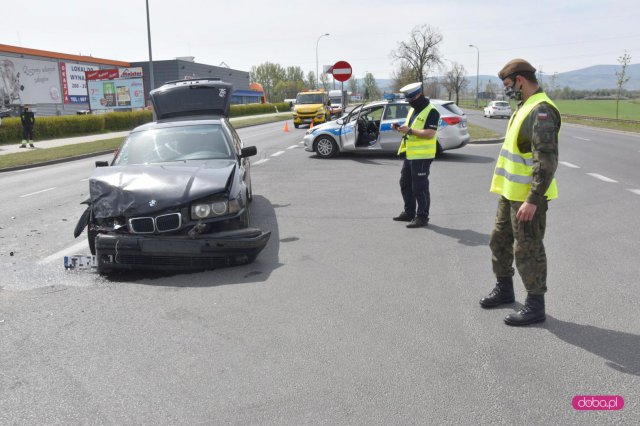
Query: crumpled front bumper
{"type": "Point", "coordinates": [176, 253]}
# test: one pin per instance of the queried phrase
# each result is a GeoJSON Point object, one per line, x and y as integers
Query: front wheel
{"type": "Point", "coordinates": [326, 147]}
{"type": "Point", "coordinates": [439, 149]}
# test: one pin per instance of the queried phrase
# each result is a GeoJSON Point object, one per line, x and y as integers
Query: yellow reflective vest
{"type": "Point", "coordinates": [415, 147]}
{"type": "Point", "coordinates": [513, 174]}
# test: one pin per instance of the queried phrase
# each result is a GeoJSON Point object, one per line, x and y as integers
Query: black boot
{"type": "Point", "coordinates": [500, 295]}
{"type": "Point", "coordinates": [531, 313]}
{"type": "Point", "coordinates": [403, 217]}
{"type": "Point", "coordinates": [418, 222]}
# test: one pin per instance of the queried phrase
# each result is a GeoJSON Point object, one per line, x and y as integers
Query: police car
{"type": "Point", "coordinates": [176, 196]}
{"type": "Point", "coordinates": [368, 128]}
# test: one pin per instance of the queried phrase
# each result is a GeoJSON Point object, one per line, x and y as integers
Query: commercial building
{"type": "Point", "coordinates": [54, 83]}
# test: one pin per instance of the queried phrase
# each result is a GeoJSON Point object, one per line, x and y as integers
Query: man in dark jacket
{"type": "Point", "coordinates": [28, 121]}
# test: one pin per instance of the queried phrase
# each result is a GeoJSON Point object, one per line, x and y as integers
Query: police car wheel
{"type": "Point", "coordinates": [326, 147]}
{"type": "Point", "coordinates": [438, 149]}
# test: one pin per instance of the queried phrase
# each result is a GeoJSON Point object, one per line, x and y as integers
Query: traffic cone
{"type": "Point", "coordinates": [286, 126]}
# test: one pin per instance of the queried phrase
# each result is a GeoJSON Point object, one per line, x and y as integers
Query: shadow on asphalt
{"type": "Point", "coordinates": [465, 158]}
{"type": "Point", "coordinates": [367, 157]}
{"type": "Point", "coordinates": [620, 349]}
{"type": "Point", "coordinates": [262, 216]}
{"type": "Point", "coordinates": [464, 236]}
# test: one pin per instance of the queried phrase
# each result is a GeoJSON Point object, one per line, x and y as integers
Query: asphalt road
{"type": "Point", "coordinates": [346, 317]}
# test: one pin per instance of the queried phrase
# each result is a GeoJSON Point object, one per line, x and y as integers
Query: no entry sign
{"type": "Point", "coordinates": [341, 71]}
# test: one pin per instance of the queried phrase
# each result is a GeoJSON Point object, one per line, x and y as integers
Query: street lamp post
{"type": "Point", "coordinates": [477, 73]}
{"type": "Point", "coordinates": [151, 82]}
{"type": "Point", "coordinates": [317, 76]}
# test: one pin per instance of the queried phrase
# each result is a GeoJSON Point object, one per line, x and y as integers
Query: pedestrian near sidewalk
{"type": "Point", "coordinates": [28, 120]}
{"type": "Point", "coordinates": [419, 147]}
{"type": "Point", "coordinates": [524, 179]}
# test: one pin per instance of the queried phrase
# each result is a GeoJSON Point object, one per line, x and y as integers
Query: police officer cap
{"type": "Point", "coordinates": [412, 90]}
{"type": "Point", "coordinates": [514, 66]}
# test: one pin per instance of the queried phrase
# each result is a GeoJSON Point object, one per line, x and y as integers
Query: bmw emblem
{"type": "Point", "coordinates": [152, 203]}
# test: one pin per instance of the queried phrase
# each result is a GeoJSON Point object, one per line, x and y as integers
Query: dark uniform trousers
{"type": "Point", "coordinates": [414, 185]}
{"type": "Point", "coordinates": [523, 240]}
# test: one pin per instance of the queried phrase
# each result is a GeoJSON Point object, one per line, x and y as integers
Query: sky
{"type": "Point", "coordinates": [555, 36]}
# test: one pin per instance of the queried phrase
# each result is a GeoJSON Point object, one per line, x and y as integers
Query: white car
{"type": "Point", "coordinates": [369, 128]}
{"type": "Point", "coordinates": [498, 109]}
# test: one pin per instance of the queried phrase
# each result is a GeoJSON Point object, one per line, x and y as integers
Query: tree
{"type": "Point", "coordinates": [353, 85]}
{"type": "Point", "coordinates": [622, 79]}
{"type": "Point", "coordinates": [324, 80]}
{"type": "Point", "coordinates": [455, 81]}
{"type": "Point", "coordinates": [370, 87]}
{"type": "Point", "coordinates": [553, 84]}
{"type": "Point", "coordinates": [420, 52]}
{"type": "Point", "coordinates": [295, 74]}
{"type": "Point", "coordinates": [268, 75]}
{"type": "Point", "coordinates": [491, 89]}
{"type": "Point", "coordinates": [311, 80]}
{"type": "Point", "coordinates": [402, 76]}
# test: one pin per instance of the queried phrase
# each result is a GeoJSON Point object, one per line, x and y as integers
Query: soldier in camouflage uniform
{"type": "Point", "coordinates": [524, 179]}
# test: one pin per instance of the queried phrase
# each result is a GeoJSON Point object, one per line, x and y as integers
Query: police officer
{"type": "Point", "coordinates": [419, 147]}
{"type": "Point", "coordinates": [28, 119]}
{"type": "Point", "coordinates": [524, 179]}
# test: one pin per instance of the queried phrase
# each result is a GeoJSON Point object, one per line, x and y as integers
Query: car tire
{"type": "Point", "coordinates": [91, 238]}
{"type": "Point", "coordinates": [439, 149]}
{"type": "Point", "coordinates": [326, 147]}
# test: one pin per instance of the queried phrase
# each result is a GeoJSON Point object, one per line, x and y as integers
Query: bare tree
{"type": "Point", "coordinates": [402, 76]}
{"type": "Point", "coordinates": [624, 60]}
{"type": "Point", "coordinates": [420, 52]}
{"type": "Point", "coordinates": [370, 87]}
{"type": "Point", "coordinates": [455, 81]}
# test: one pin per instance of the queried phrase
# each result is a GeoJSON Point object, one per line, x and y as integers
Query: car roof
{"type": "Point", "coordinates": [435, 102]}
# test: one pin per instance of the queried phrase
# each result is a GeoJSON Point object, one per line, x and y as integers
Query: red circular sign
{"type": "Point", "coordinates": [341, 71]}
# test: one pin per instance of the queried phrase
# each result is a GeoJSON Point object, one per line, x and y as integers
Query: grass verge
{"type": "Point", "coordinates": [38, 156]}
{"type": "Point", "coordinates": [478, 132]}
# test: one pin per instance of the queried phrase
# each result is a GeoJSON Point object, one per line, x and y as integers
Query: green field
{"type": "Point", "coordinates": [628, 109]}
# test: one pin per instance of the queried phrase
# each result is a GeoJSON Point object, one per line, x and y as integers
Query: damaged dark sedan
{"type": "Point", "coordinates": [176, 195]}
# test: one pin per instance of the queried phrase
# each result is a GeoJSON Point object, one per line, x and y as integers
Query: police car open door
{"type": "Point", "coordinates": [349, 131]}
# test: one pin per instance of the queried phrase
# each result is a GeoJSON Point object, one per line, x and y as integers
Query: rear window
{"type": "Point", "coordinates": [452, 107]}
{"type": "Point", "coordinates": [501, 104]}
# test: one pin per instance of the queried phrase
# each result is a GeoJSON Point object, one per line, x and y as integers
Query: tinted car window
{"type": "Point", "coordinates": [451, 107]}
{"type": "Point", "coordinates": [501, 104]}
{"type": "Point", "coordinates": [181, 143]}
{"type": "Point", "coordinates": [395, 111]}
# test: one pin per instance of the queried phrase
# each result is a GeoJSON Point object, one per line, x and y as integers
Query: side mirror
{"type": "Point", "coordinates": [102, 164]}
{"type": "Point", "coordinates": [248, 151]}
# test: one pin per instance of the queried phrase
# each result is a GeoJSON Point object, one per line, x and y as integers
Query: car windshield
{"type": "Point", "coordinates": [181, 143]}
{"type": "Point", "coordinates": [310, 98]}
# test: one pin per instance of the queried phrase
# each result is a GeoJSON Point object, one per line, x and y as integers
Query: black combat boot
{"type": "Point", "coordinates": [418, 222]}
{"type": "Point", "coordinates": [531, 313]}
{"type": "Point", "coordinates": [403, 217]}
{"type": "Point", "coordinates": [500, 295]}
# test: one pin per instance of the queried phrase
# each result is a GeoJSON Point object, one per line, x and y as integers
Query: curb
{"type": "Point", "coordinates": [486, 141]}
{"type": "Point", "coordinates": [57, 161]}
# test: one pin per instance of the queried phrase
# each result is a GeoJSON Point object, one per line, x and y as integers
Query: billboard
{"type": "Point", "coordinates": [116, 94]}
{"type": "Point", "coordinates": [74, 85]}
{"type": "Point", "coordinates": [29, 81]}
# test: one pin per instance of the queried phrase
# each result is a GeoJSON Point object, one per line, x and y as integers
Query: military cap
{"type": "Point", "coordinates": [411, 90]}
{"type": "Point", "coordinates": [514, 66]}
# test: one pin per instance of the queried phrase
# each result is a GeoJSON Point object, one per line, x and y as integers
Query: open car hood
{"type": "Point", "coordinates": [143, 189]}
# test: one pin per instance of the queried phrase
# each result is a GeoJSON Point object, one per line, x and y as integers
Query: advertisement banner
{"type": "Point", "coordinates": [29, 81]}
{"type": "Point", "coordinates": [102, 74]}
{"type": "Point", "coordinates": [116, 94]}
{"type": "Point", "coordinates": [74, 85]}
{"type": "Point", "coordinates": [130, 72]}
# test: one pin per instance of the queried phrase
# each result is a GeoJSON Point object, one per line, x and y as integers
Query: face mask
{"type": "Point", "coordinates": [512, 92]}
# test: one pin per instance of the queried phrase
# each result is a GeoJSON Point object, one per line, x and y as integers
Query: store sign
{"type": "Point", "coordinates": [74, 84]}
{"type": "Point", "coordinates": [121, 93]}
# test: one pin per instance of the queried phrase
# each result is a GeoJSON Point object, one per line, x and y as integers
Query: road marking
{"type": "Point", "coordinates": [573, 166]}
{"type": "Point", "coordinates": [264, 160]}
{"type": "Point", "coordinates": [65, 252]}
{"type": "Point", "coordinates": [37, 192]}
{"type": "Point", "coordinates": [602, 178]}
{"type": "Point", "coordinates": [582, 139]}
{"type": "Point", "coordinates": [83, 180]}
{"type": "Point", "coordinates": [635, 191]}
{"type": "Point", "coordinates": [275, 154]}
{"type": "Point", "coordinates": [303, 142]}
{"type": "Point", "coordinates": [293, 146]}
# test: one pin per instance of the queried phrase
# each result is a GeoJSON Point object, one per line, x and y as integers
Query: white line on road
{"type": "Point", "coordinates": [582, 139]}
{"type": "Point", "coordinates": [37, 192]}
{"type": "Point", "coordinates": [264, 160]}
{"type": "Point", "coordinates": [65, 252]}
{"type": "Point", "coordinates": [275, 154]}
{"type": "Point", "coordinates": [293, 146]}
{"type": "Point", "coordinates": [83, 180]}
{"type": "Point", "coordinates": [635, 191]}
{"type": "Point", "coordinates": [602, 178]}
{"type": "Point", "coordinates": [565, 163]}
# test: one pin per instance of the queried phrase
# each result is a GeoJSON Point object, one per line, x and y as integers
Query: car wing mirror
{"type": "Point", "coordinates": [102, 164]}
{"type": "Point", "coordinates": [248, 151]}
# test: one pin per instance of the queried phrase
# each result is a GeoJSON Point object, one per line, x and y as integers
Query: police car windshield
{"type": "Point", "coordinates": [309, 98]}
{"type": "Point", "coordinates": [180, 143]}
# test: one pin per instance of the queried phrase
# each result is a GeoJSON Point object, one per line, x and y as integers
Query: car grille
{"type": "Point", "coordinates": [162, 223]}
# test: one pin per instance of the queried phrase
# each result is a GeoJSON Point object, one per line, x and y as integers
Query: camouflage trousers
{"type": "Point", "coordinates": [523, 240]}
